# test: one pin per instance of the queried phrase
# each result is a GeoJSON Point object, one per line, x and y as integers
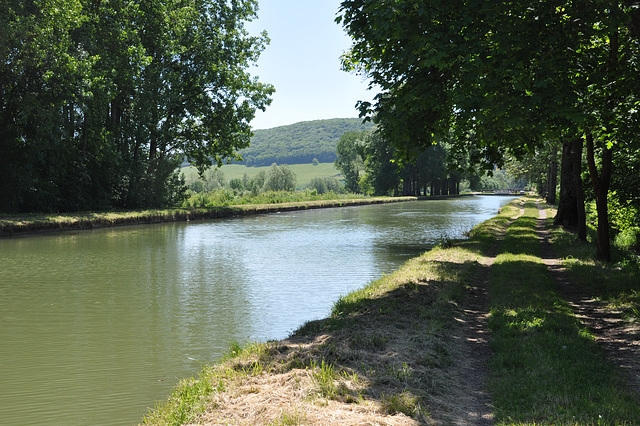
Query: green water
{"type": "Point", "coordinates": [98, 325]}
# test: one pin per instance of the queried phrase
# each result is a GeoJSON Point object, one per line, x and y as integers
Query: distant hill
{"type": "Point", "coordinates": [299, 143]}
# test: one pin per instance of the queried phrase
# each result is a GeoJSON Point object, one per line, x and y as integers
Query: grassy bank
{"type": "Point", "coordinates": [33, 223]}
{"type": "Point", "coordinates": [394, 352]}
{"type": "Point", "coordinates": [547, 367]}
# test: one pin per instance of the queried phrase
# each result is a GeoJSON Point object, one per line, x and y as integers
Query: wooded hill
{"type": "Point", "coordinates": [299, 143]}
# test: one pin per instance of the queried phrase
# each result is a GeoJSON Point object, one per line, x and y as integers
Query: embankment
{"type": "Point", "coordinates": [31, 224]}
{"type": "Point", "coordinates": [405, 349]}
{"type": "Point", "coordinates": [13, 225]}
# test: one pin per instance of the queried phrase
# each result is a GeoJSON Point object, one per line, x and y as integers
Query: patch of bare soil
{"type": "Point", "coordinates": [619, 338]}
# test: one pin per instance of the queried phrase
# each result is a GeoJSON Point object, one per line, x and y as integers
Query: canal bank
{"type": "Point", "coordinates": [12, 225]}
{"type": "Point", "coordinates": [406, 348]}
{"type": "Point", "coordinates": [113, 317]}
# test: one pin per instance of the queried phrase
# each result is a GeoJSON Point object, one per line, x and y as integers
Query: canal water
{"type": "Point", "coordinates": [95, 326]}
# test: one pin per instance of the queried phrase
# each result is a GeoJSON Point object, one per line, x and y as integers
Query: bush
{"type": "Point", "coordinates": [629, 239]}
{"type": "Point", "coordinates": [324, 185]}
{"type": "Point", "coordinates": [279, 178]}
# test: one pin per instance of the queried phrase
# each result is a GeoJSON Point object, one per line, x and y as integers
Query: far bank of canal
{"type": "Point", "coordinates": [97, 325]}
{"type": "Point", "coordinates": [17, 225]}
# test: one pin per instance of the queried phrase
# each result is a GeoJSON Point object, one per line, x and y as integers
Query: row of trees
{"type": "Point", "coordinates": [509, 77]}
{"type": "Point", "coordinates": [100, 100]}
{"type": "Point", "coordinates": [276, 178]}
{"type": "Point", "coordinates": [370, 165]}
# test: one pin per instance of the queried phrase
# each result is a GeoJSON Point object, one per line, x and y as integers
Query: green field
{"type": "Point", "coordinates": [304, 172]}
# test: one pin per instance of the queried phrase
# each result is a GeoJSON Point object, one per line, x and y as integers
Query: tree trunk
{"type": "Point", "coordinates": [567, 215]}
{"type": "Point", "coordinates": [601, 188]}
{"type": "Point", "coordinates": [436, 187]}
{"type": "Point", "coordinates": [552, 176]}
{"type": "Point", "coordinates": [576, 155]}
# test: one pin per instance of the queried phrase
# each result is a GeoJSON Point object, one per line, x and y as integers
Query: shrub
{"type": "Point", "coordinates": [629, 239]}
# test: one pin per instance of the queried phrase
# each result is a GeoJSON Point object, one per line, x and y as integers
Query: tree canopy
{"type": "Point", "coordinates": [504, 77]}
{"type": "Point", "coordinates": [100, 100]}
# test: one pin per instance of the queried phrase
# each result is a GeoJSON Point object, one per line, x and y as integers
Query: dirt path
{"type": "Point", "coordinates": [620, 339]}
{"type": "Point", "coordinates": [476, 336]}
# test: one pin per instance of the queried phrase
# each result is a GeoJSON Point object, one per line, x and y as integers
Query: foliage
{"type": "Point", "coordinates": [101, 100]}
{"type": "Point", "coordinates": [324, 185]}
{"type": "Point", "coordinates": [500, 179]}
{"type": "Point", "coordinates": [382, 174]}
{"type": "Point", "coordinates": [504, 77]}
{"type": "Point", "coordinates": [279, 178]}
{"type": "Point", "coordinates": [304, 172]}
{"type": "Point", "coordinates": [629, 239]}
{"type": "Point", "coordinates": [349, 159]}
{"type": "Point", "coordinates": [370, 165]}
{"type": "Point", "coordinates": [299, 143]}
{"type": "Point", "coordinates": [229, 198]}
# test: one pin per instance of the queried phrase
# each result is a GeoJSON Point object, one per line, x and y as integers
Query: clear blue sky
{"type": "Point", "coordinates": [303, 63]}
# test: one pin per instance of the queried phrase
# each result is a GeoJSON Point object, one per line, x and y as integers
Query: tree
{"type": "Point", "coordinates": [324, 185]}
{"type": "Point", "coordinates": [279, 178]}
{"type": "Point", "coordinates": [505, 76]}
{"type": "Point", "coordinates": [382, 172]}
{"type": "Point", "coordinates": [38, 78]}
{"type": "Point", "coordinates": [349, 159]}
{"type": "Point", "coordinates": [122, 92]}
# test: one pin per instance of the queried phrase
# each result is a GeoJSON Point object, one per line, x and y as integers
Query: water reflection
{"type": "Point", "coordinates": [97, 325]}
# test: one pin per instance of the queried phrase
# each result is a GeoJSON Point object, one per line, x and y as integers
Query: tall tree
{"type": "Point", "coordinates": [513, 74]}
{"type": "Point", "coordinates": [349, 159]}
{"type": "Point", "coordinates": [121, 91]}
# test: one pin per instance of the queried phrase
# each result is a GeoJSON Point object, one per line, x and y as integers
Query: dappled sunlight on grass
{"type": "Point", "coordinates": [546, 367]}
{"type": "Point", "coordinates": [616, 283]}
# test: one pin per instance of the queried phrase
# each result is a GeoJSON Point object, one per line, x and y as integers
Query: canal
{"type": "Point", "coordinates": [98, 325]}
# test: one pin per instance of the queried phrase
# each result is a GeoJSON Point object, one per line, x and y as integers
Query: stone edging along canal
{"type": "Point", "coordinates": [36, 224]}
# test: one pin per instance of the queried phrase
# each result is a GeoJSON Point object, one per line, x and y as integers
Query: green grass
{"type": "Point", "coordinates": [304, 172]}
{"type": "Point", "coordinates": [546, 367]}
{"type": "Point", "coordinates": [616, 283]}
{"type": "Point", "coordinates": [192, 397]}
{"type": "Point", "coordinates": [201, 206]}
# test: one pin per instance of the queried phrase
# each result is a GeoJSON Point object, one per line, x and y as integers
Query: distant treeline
{"type": "Point", "coordinates": [299, 143]}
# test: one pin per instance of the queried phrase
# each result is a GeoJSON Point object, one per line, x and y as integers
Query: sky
{"type": "Point", "coordinates": [303, 63]}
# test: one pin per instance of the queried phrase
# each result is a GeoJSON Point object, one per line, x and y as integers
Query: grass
{"type": "Point", "coordinates": [228, 198]}
{"type": "Point", "coordinates": [392, 349]}
{"type": "Point", "coordinates": [616, 283]}
{"type": "Point", "coordinates": [388, 348]}
{"type": "Point", "coordinates": [546, 367]}
{"type": "Point", "coordinates": [304, 172]}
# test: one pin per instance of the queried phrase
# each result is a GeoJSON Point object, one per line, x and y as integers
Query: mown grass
{"type": "Point", "coordinates": [616, 283]}
{"type": "Point", "coordinates": [192, 397]}
{"type": "Point", "coordinates": [546, 367]}
{"type": "Point", "coordinates": [210, 209]}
